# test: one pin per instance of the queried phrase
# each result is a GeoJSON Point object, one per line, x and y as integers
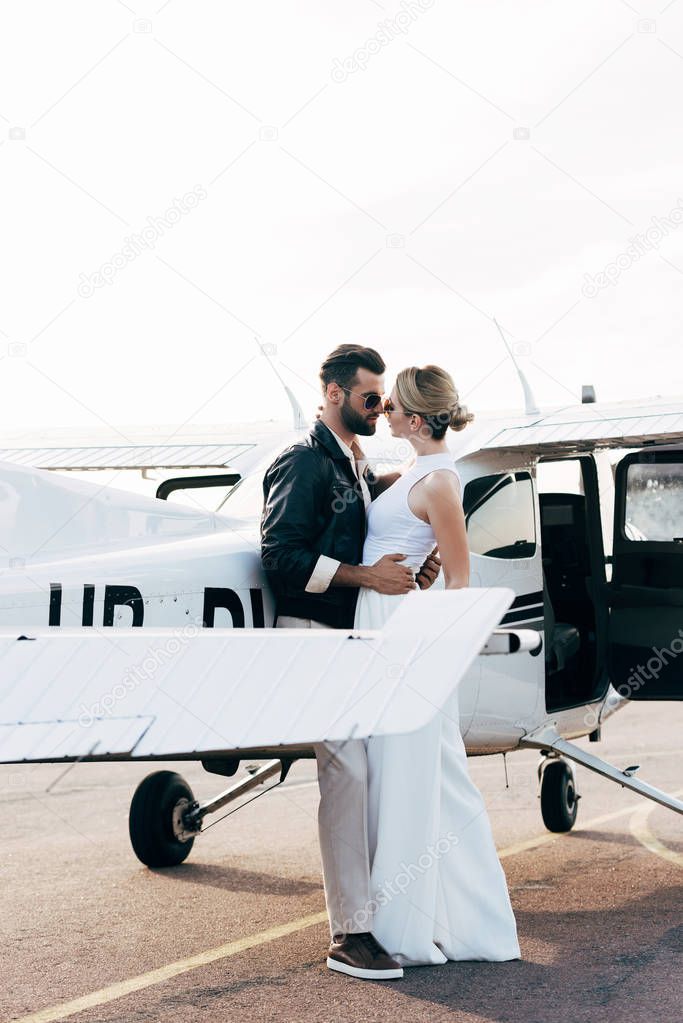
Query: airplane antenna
{"type": "Point", "coordinates": [530, 406]}
{"type": "Point", "coordinates": [300, 421]}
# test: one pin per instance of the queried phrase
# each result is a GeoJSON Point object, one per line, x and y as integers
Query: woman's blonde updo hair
{"type": "Point", "coordinates": [431, 393]}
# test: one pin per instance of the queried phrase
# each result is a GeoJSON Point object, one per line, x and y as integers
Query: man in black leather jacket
{"type": "Point", "coordinates": [316, 494]}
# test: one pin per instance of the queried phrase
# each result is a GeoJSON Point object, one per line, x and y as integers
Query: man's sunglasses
{"type": "Point", "coordinates": [371, 400]}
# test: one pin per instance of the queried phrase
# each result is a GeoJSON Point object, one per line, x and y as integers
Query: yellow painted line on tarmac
{"type": "Point", "coordinates": [127, 987]}
{"type": "Point", "coordinates": [640, 829]}
{"type": "Point", "coordinates": [144, 980]}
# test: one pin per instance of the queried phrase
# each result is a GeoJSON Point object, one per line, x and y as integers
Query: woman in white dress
{"type": "Point", "coordinates": [439, 889]}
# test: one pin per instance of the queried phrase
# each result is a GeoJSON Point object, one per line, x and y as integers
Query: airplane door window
{"type": "Point", "coordinates": [499, 514]}
{"type": "Point", "coordinates": [645, 650]}
{"type": "Point", "coordinates": [654, 501]}
{"type": "Point", "coordinates": [245, 500]}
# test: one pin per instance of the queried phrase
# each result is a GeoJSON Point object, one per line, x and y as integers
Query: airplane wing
{"type": "Point", "coordinates": [205, 447]}
{"type": "Point", "coordinates": [131, 456]}
{"type": "Point", "coordinates": [596, 425]}
{"type": "Point", "coordinates": [100, 694]}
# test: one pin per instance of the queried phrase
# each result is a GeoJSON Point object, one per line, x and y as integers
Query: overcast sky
{"type": "Point", "coordinates": [184, 182]}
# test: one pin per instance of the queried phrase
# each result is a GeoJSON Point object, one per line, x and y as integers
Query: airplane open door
{"type": "Point", "coordinates": [645, 648]}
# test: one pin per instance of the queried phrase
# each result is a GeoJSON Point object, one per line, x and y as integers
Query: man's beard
{"type": "Point", "coordinates": [355, 422]}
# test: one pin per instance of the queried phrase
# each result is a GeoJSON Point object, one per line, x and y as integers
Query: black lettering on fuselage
{"type": "Point", "coordinates": [130, 596]}
{"type": "Point", "coordinates": [55, 604]}
{"type": "Point", "coordinates": [88, 604]}
{"type": "Point", "coordinates": [219, 596]}
{"type": "Point", "coordinates": [115, 596]}
{"type": "Point", "coordinates": [258, 617]}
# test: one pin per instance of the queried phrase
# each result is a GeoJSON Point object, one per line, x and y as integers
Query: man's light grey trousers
{"type": "Point", "coordinates": [342, 822]}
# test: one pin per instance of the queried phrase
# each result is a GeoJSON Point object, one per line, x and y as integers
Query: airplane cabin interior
{"type": "Point", "coordinates": [604, 615]}
{"type": "Point", "coordinates": [573, 582]}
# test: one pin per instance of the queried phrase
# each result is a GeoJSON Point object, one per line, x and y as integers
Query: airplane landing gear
{"type": "Point", "coordinates": [165, 818]}
{"type": "Point", "coordinates": [559, 798]}
{"type": "Point", "coordinates": [158, 833]}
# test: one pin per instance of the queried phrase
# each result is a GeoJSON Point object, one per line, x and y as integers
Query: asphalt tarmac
{"type": "Point", "coordinates": [238, 932]}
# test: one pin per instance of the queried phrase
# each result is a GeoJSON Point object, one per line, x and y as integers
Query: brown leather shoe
{"type": "Point", "coordinates": [361, 955]}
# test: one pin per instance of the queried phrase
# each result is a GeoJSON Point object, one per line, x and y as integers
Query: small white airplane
{"type": "Point", "coordinates": [138, 629]}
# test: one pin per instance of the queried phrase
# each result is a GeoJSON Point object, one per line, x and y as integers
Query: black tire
{"type": "Point", "coordinates": [559, 800]}
{"type": "Point", "coordinates": [153, 835]}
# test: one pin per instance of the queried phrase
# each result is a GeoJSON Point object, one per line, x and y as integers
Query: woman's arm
{"type": "Point", "coordinates": [438, 499]}
{"type": "Point", "coordinates": [380, 483]}
{"type": "Point", "coordinates": [383, 483]}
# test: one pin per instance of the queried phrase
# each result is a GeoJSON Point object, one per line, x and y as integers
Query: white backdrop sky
{"type": "Point", "coordinates": [385, 173]}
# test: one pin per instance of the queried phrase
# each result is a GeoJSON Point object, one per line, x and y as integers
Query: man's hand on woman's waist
{"type": "Point", "coordinates": [385, 576]}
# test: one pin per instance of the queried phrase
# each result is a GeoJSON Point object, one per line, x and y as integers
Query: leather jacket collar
{"type": "Point", "coordinates": [324, 436]}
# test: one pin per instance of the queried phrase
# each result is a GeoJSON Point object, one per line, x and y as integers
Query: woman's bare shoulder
{"type": "Point", "coordinates": [442, 481]}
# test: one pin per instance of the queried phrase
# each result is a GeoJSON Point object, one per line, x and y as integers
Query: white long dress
{"type": "Point", "coordinates": [438, 886]}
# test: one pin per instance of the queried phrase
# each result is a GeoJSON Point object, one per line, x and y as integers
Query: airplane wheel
{"type": "Point", "coordinates": [155, 820]}
{"type": "Point", "coordinates": [559, 799]}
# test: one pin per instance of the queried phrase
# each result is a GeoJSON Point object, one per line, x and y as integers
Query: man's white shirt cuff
{"type": "Point", "coordinates": [323, 574]}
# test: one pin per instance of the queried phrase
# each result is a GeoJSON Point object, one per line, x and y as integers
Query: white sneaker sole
{"type": "Point", "coordinates": [356, 971]}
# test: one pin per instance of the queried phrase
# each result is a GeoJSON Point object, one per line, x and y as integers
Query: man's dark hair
{"type": "Point", "coordinates": [341, 365]}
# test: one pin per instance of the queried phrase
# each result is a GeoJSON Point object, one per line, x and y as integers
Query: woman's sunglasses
{"type": "Point", "coordinates": [389, 407]}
